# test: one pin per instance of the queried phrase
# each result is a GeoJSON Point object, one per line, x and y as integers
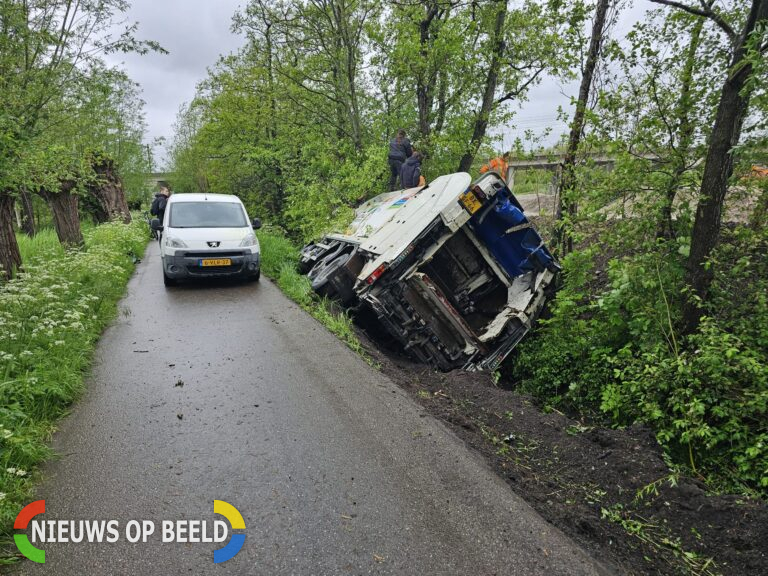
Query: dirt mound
{"type": "Point", "coordinates": [608, 489]}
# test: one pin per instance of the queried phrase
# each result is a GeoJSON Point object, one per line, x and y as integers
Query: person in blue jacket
{"type": "Point", "coordinates": [399, 151]}
{"type": "Point", "coordinates": [410, 173]}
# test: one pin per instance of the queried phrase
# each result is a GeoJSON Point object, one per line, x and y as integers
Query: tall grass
{"type": "Point", "coordinates": [44, 242]}
{"type": "Point", "coordinates": [51, 315]}
{"type": "Point", "coordinates": [276, 250]}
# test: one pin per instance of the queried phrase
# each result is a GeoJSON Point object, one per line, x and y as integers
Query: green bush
{"type": "Point", "coordinates": [51, 315]}
{"type": "Point", "coordinates": [618, 355]}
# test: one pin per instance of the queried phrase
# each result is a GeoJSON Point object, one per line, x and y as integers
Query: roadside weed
{"type": "Point", "coordinates": [655, 536]}
{"type": "Point", "coordinates": [51, 315]}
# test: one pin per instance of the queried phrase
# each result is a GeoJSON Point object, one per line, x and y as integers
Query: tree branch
{"type": "Point", "coordinates": [518, 91]}
{"type": "Point", "coordinates": [705, 13]}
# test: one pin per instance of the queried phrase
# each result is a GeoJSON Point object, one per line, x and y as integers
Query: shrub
{"type": "Point", "coordinates": [617, 354]}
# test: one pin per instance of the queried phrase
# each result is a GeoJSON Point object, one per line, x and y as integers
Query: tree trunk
{"type": "Point", "coordinates": [271, 126]}
{"type": "Point", "coordinates": [349, 52]}
{"type": "Point", "coordinates": [10, 257]}
{"type": "Point", "coordinates": [718, 166]}
{"type": "Point", "coordinates": [66, 218]}
{"type": "Point", "coordinates": [486, 107]}
{"type": "Point", "coordinates": [27, 213]}
{"type": "Point", "coordinates": [565, 201]}
{"type": "Point", "coordinates": [441, 101]}
{"type": "Point", "coordinates": [108, 190]}
{"type": "Point", "coordinates": [665, 228]}
{"type": "Point", "coordinates": [425, 80]}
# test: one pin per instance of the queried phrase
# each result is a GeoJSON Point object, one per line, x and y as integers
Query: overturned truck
{"type": "Point", "coordinates": [453, 271]}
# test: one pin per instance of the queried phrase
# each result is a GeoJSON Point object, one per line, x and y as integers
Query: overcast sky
{"type": "Point", "coordinates": [197, 32]}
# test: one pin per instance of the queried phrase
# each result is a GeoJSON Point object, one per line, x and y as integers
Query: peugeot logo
{"type": "Point", "coordinates": [214, 244]}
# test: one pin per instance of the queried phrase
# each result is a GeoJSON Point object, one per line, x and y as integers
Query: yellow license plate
{"type": "Point", "coordinates": [470, 201]}
{"type": "Point", "coordinates": [216, 262]}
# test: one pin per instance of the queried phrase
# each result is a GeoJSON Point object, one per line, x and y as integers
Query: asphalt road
{"type": "Point", "coordinates": [231, 392]}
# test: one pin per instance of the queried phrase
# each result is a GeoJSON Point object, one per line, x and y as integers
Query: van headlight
{"type": "Point", "coordinates": [174, 242]}
{"type": "Point", "coordinates": [249, 240]}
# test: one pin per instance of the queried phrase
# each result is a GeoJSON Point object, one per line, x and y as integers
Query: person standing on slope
{"type": "Point", "coordinates": [500, 165]}
{"type": "Point", "coordinates": [410, 174]}
{"type": "Point", "coordinates": [399, 151]}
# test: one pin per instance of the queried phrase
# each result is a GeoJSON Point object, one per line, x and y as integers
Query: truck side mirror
{"type": "Point", "coordinates": [156, 225]}
{"type": "Point", "coordinates": [256, 223]}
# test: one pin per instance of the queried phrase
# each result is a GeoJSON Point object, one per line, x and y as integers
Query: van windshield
{"type": "Point", "coordinates": [207, 215]}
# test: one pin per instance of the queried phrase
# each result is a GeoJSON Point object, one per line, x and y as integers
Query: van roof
{"type": "Point", "coordinates": [189, 197]}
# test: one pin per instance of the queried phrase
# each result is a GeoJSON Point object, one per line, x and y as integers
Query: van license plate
{"type": "Point", "coordinates": [216, 262]}
{"type": "Point", "coordinates": [470, 201]}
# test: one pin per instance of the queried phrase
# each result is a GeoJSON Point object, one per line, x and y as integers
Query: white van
{"type": "Point", "coordinates": [208, 235]}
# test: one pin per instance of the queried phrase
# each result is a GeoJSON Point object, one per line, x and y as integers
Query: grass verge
{"type": "Point", "coordinates": [51, 316]}
{"type": "Point", "coordinates": [279, 257]}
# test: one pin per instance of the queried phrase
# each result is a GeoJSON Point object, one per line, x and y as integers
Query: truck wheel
{"type": "Point", "coordinates": [320, 267]}
{"type": "Point", "coordinates": [168, 281]}
{"type": "Point", "coordinates": [320, 280]}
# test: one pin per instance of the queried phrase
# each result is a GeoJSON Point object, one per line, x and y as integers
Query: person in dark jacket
{"type": "Point", "coordinates": [410, 173]}
{"type": "Point", "coordinates": [399, 151]}
{"type": "Point", "coordinates": [158, 205]}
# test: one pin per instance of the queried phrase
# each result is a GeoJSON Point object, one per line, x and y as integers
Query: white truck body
{"type": "Point", "coordinates": [453, 270]}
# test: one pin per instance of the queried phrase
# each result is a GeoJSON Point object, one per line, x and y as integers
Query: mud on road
{"type": "Point", "coordinates": [585, 480]}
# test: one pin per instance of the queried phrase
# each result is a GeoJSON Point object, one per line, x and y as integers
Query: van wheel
{"type": "Point", "coordinates": [168, 281]}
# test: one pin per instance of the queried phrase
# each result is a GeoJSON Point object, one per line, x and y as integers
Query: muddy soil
{"type": "Point", "coordinates": [610, 490]}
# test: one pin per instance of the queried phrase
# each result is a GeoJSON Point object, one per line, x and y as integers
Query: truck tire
{"type": "Point", "coordinates": [319, 269]}
{"type": "Point", "coordinates": [321, 283]}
